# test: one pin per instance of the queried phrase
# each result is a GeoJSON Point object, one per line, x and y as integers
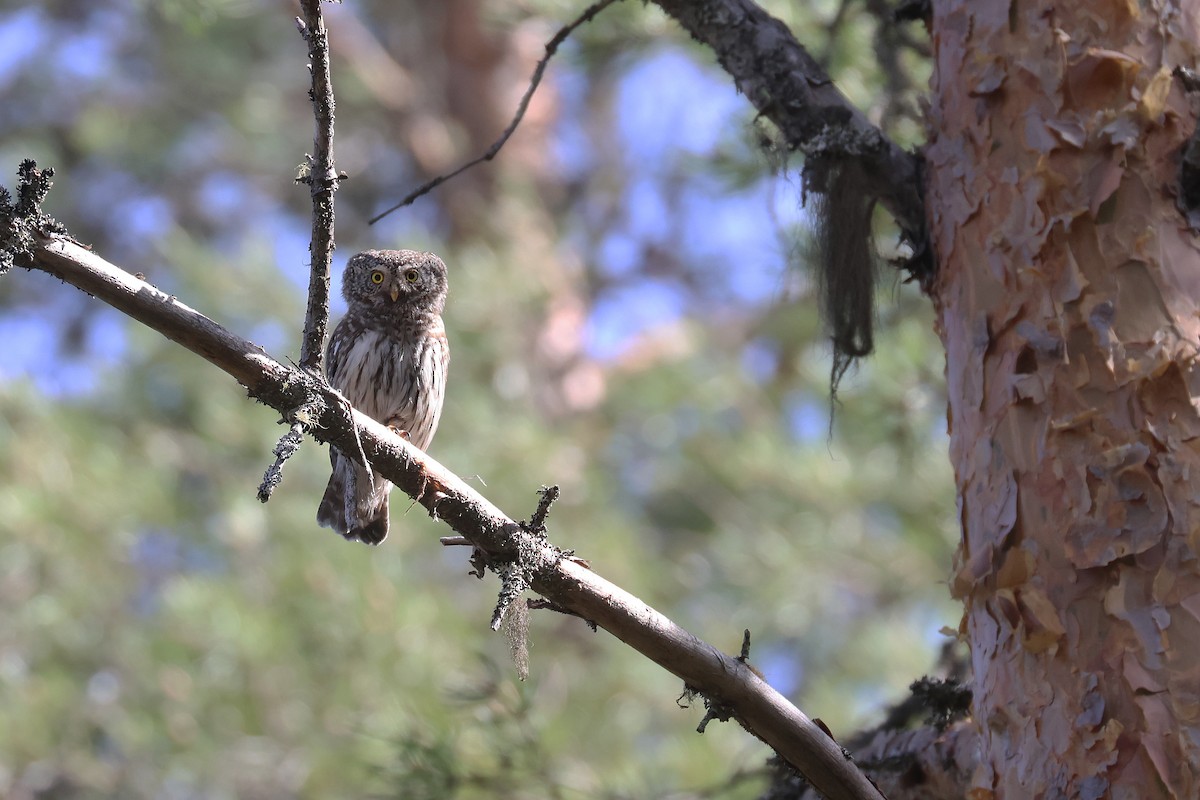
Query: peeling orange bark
{"type": "Point", "coordinates": [1068, 300]}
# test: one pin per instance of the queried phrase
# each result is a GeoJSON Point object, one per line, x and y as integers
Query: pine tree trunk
{"type": "Point", "coordinates": [1068, 304]}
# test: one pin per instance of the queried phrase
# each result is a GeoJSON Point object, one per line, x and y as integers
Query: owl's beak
{"type": "Point", "coordinates": [395, 293]}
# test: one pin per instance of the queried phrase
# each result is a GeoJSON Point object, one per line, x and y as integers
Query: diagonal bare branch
{"type": "Point", "coordinates": [726, 682]}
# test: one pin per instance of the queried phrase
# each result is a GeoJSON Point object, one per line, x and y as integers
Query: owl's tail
{"type": "Point", "coordinates": [360, 514]}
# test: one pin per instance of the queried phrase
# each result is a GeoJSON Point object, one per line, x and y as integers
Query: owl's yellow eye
{"type": "Point", "coordinates": [411, 276]}
{"type": "Point", "coordinates": [376, 277]}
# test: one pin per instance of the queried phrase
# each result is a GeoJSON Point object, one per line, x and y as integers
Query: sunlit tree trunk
{"type": "Point", "coordinates": [1069, 304]}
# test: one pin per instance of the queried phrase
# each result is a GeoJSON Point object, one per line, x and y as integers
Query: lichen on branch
{"type": "Point", "coordinates": [21, 217]}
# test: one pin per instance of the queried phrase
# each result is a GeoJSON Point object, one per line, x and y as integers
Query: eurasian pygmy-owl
{"type": "Point", "coordinates": [388, 357]}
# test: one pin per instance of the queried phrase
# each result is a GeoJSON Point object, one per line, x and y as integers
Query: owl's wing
{"type": "Point", "coordinates": [335, 349]}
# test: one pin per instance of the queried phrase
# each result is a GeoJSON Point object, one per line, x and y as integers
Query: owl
{"type": "Point", "coordinates": [388, 357]}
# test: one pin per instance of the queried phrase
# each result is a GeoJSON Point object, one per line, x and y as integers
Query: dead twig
{"type": "Point", "coordinates": [537, 523]}
{"type": "Point", "coordinates": [317, 172]}
{"type": "Point", "coordinates": [551, 48]}
{"type": "Point", "coordinates": [287, 447]}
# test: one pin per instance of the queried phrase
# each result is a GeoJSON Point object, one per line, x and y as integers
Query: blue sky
{"type": "Point", "coordinates": [672, 109]}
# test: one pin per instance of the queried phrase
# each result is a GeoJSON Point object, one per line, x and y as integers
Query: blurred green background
{"type": "Point", "coordinates": [630, 316]}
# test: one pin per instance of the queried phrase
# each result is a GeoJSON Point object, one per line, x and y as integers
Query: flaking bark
{"type": "Point", "coordinates": [1068, 299]}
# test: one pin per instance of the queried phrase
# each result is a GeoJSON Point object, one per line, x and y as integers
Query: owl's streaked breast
{"type": "Point", "coordinates": [396, 376]}
{"type": "Point", "coordinates": [368, 368]}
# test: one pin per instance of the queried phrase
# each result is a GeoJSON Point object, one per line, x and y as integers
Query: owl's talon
{"type": "Point", "coordinates": [394, 426]}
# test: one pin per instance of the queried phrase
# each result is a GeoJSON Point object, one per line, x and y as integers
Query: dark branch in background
{"type": "Point", "coordinates": [846, 201]}
{"type": "Point", "coordinates": [551, 48]}
{"type": "Point", "coordinates": [318, 174]}
{"type": "Point", "coordinates": [724, 681]}
{"type": "Point", "coordinates": [788, 87]}
{"type": "Point", "coordinates": [844, 154]}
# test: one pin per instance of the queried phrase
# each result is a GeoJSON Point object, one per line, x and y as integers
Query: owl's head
{"type": "Point", "coordinates": [395, 281]}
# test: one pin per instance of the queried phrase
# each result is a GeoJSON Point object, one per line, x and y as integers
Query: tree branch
{"type": "Point", "coordinates": [723, 680]}
{"type": "Point", "coordinates": [318, 173]}
{"type": "Point", "coordinates": [790, 88]}
{"type": "Point", "coordinates": [552, 46]}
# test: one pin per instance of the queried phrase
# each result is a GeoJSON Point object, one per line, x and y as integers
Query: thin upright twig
{"type": "Point", "coordinates": [317, 172]}
{"type": "Point", "coordinates": [322, 180]}
{"type": "Point", "coordinates": [551, 48]}
{"type": "Point", "coordinates": [547, 496]}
